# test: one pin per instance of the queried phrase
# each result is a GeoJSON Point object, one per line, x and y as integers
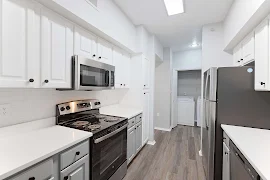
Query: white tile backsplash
{"type": "Point", "coordinates": [34, 104]}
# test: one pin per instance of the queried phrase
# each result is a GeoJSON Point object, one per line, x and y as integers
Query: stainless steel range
{"type": "Point", "coordinates": [108, 147]}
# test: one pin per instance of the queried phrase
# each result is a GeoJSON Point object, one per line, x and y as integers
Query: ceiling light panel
{"type": "Point", "coordinates": [174, 6]}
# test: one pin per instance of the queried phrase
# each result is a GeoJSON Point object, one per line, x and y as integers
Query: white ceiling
{"type": "Point", "coordinates": [178, 31]}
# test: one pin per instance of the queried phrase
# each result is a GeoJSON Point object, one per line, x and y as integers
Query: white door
{"type": "Point", "coordinates": [119, 68]}
{"type": "Point", "coordinates": [105, 52]}
{"type": "Point", "coordinates": [126, 70]}
{"type": "Point", "coordinates": [174, 103]}
{"type": "Point", "coordinates": [19, 59]}
{"type": "Point", "coordinates": [146, 73]}
{"type": "Point", "coordinates": [262, 56]}
{"type": "Point", "coordinates": [146, 116]}
{"type": "Point", "coordinates": [237, 56]}
{"type": "Point", "coordinates": [85, 43]}
{"type": "Point", "coordinates": [57, 50]}
{"type": "Point", "coordinates": [248, 48]}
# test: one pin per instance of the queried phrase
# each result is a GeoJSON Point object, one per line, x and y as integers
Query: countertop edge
{"type": "Point", "coordinates": [224, 126]}
{"type": "Point", "coordinates": [31, 163]}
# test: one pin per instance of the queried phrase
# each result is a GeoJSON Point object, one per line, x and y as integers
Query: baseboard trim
{"type": "Point", "coordinates": [163, 129]}
{"type": "Point", "coordinates": [152, 143]}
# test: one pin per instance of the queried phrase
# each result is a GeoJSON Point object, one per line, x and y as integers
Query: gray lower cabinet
{"type": "Point", "coordinates": [71, 164]}
{"type": "Point", "coordinates": [226, 162]}
{"type": "Point", "coordinates": [77, 171]}
{"type": "Point", "coordinates": [138, 136]}
{"type": "Point", "coordinates": [131, 142]}
{"type": "Point", "coordinates": [134, 137]}
{"type": "Point", "coordinates": [41, 171]}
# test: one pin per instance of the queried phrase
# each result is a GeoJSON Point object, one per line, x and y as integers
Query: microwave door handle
{"type": "Point", "coordinates": [107, 78]}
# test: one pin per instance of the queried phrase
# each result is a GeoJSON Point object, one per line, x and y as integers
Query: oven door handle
{"type": "Point", "coordinates": [110, 135]}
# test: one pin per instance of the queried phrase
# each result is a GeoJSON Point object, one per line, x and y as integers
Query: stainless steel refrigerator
{"type": "Point", "coordinates": [229, 98]}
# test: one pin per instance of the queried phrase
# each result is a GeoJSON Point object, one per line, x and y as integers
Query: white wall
{"type": "Point", "coordinates": [187, 60]}
{"type": "Point", "coordinates": [212, 47]}
{"type": "Point", "coordinates": [162, 94]}
{"type": "Point", "coordinates": [242, 17]}
{"type": "Point", "coordinates": [33, 104]}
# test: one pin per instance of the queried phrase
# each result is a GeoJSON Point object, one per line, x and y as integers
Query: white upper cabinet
{"type": "Point", "coordinates": [57, 50]}
{"type": "Point", "coordinates": [85, 43]}
{"type": "Point", "coordinates": [104, 51]}
{"type": "Point", "coordinates": [262, 56]}
{"type": "Point", "coordinates": [19, 26]}
{"type": "Point", "coordinates": [248, 48]}
{"type": "Point", "coordinates": [237, 56]}
{"type": "Point", "coordinates": [146, 73]}
{"type": "Point", "coordinates": [122, 69]}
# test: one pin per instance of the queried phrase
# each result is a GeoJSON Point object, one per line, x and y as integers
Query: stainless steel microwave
{"type": "Point", "coordinates": [91, 75]}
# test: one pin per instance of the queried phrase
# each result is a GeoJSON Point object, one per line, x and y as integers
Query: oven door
{"type": "Point", "coordinates": [91, 75]}
{"type": "Point", "coordinates": [108, 154]}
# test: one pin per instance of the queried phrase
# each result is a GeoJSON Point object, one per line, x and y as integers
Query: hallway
{"type": "Point", "coordinates": [174, 157]}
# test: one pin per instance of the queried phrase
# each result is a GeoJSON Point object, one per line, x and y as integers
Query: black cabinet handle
{"type": "Point", "coordinates": [121, 84]}
{"type": "Point", "coordinates": [99, 57]}
{"type": "Point", "coordinates": [226, 153]}
{"type": "Point", "coordinates": [66, 178]}
{"type": "Point", "coordinates": [242, 59]}
{"type": "Point", "coordinates": [78, 153]}
{"type": "Point", "coordinates": [238, 61]}
{"type": "Point", "coordinates": [143, 93]}
{"type": "Point", "coordinates": [262, 83]}
{"type": "Point", "coordinates": [32, 178]}
{"type": "Point", "coordinates": [46, 81]}
{"type": "Point", "coordinates": [124, 84]}
{"type": "Point", "coordinates": [94, 55]}
{"type": "Point", "coordinates": [144, 85]}
{"type": "Point", "coordinates": [31, 80]}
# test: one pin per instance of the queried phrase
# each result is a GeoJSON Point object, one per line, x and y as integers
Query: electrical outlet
{"type": "Point", "coordinates": [4, 110]}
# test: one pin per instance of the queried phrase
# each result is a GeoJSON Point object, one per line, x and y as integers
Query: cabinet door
{"type": "Point", "coordinates": [146, 73]}
{"type": "Point", "coordinates": [262, 56]}
{"type": "Point", "coordinates": [104, 51]}
{"type": "Point", "coordinates": [77, 171]}
{"type": "Point", "coordinates": [138, 137]}
{"type": "Point", "coordinates": [119, 68]}
{"type": "Point", "coordinates": [131, 143]}
{"type": "Point", "coordinates": [237, 56]}
{"type": "Point", "coordinates": [19, 57]}
{"type": "Point", "coordinates": [146, 105]}
{"type": "Point", "coordinates": [248, 49]}
{"type": "Point", "coordinates": [57, 50]}
{"type": "Point", "coordinates": [126, 70]}
{"type": "Point", "coordinates": [85, 43]}
{"type": "Point", "coordinates": [226, 163]}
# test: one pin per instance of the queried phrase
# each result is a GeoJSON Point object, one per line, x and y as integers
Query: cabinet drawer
{"type": "Point", "coordinates": [74, 154]}
{"type": "Point", "coordinates": [131, 122]}
{"type": "Point", "coordinates": [226, 139]}
{"type": "Point", "coordinates": [40, 171]}
{"type": "Point", "coordinates": [138, 118]}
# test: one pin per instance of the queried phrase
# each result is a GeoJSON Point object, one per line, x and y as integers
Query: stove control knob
{"type": "Point", "coordinates": [62, 108]}
{"type": "Point", "coordinates": [68, 108]}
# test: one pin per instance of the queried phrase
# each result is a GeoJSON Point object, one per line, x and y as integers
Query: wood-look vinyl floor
{"type": "Point", "coordinates": [175, 156]}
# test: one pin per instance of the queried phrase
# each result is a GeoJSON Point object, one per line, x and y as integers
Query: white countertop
{"type": "Point", "coordinates": [117, 110]}
{"type": "Point", "coordinates": [254, 145]}
{"type": "Point", "coordinates": [24, 150]}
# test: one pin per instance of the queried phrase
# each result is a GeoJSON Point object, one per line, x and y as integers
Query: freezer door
{"type": "Point", "coordinates": [205, 136]}
{"type": "Point", "coordinates": [208, 138]}
{"type": "Point", "coordinates": [210, 84]}
{"type": "Point", "coordinates": [212, 137]}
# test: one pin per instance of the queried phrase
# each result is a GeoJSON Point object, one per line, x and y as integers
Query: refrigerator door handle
{"type": "Point", "coordinates": [206, 85]}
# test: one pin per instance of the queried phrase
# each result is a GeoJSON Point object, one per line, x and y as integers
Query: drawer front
{"type": "Point", "coordinates": [138, 118]}
{"type": "Point", "coordinates": [42, 171]}
{"type": "Point", "coordinates": [72, 155]}
{"type": "Point", "coordinates": [131, 122]}
{"type": "Point", "coordinates": [226, 139]}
